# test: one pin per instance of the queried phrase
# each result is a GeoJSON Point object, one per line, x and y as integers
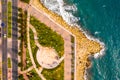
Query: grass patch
{"type": "Point", "coordinates": [33, 47]}
{"type": "Point", "coordinates": [28, 60]}
{"type": "Point", "coordinates": [9, 19]}
{"type": "Point", "coordinates": [54, 74]}
{"type": "Point", "coordinates": [25, 1]}
{"type": "Point", "coordinates": [9, 63]}
{"type": "Point", "coordinates": [22, 22]}
{"type": "Point", "coordinates": [20, 77]}
{"type": "Point", "coordinates": [33, 75]}
{"type": "Point", "coordinates": [48, 37]}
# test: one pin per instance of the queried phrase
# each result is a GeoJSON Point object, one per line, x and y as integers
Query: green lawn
{"type": "Point", "coordinates": [54, 74]}
{"type": "Point", "coordinates": [9, 63]}
{"type": "Point", "coordinates": [20, 77]}
{"type": "Point", "coordinates": [33, 47]}
{"type": "Point", "coordinates": [9, 19]}
{"type": "Point", "coordinates": [49, 38]}
{"type": "Point", "coordinates": [26, 1]}
{"type": "Point", "coordinates": [29, 63]}
{"type": "Point", "coordinates": [33, 75]}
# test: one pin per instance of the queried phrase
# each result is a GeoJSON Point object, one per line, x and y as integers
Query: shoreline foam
{"type": "Point", "coordinates": [101, 53]}
{"type": "Point", "coordinates": [89, 40]}
{"type": "Point", "coordinates": [60, 4]}
{"type": "Point", "coordinates": [61, 8]}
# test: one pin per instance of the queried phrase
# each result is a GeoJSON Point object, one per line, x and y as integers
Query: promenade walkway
{"type": "Point", "coordinates": [41, 16]}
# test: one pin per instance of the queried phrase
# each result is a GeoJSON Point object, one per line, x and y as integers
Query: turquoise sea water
{"type": "Point", "coordinates": [102, 19]}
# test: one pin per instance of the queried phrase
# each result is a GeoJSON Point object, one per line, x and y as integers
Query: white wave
{"type": "Point", "coordinates": [103, 6]}
{"type": "Point", "coordinates": [102, 45]}
{"type": "Point", "coordinates": [70, 8]}
{"type": "Point", "coordinates": [86, 75]}
{"type": "Point", "coordinates": [67, 16]}
{"type": "Point", "coordinates": [51, 5]}
{"type": "Point", "coordinates": [96, 32]}
{"type": "Point", "coordinates": [64, 10]}
{"type": "Point", "coordinates": [100, 54]}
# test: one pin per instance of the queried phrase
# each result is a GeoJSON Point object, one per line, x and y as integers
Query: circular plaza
{"type": "Point", "coordinates": [47, 57]}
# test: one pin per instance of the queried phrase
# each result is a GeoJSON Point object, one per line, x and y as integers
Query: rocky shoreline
{"type": "Point", "coordinates": [84, 46]}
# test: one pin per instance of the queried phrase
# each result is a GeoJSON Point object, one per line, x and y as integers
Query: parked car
{"type": "Point", "coordinates": [5, 35]}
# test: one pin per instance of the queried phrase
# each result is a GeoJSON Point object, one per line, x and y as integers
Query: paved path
{"type": "Point", "coordinates": [4, 41]}
{"type": "Point", "coordinates": [27, 70]}
{"type": "Point", "coordinates": [14, 40]}
{"type": "Point", "coordinates": [9, 74]}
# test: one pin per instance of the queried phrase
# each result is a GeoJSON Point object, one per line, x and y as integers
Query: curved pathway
{"type": "Point", "coordinates": [26, 71]}
{"type": "Point", "coordinates": [30, 51]}
{"type": "Point", "coordinates": [50, 66]}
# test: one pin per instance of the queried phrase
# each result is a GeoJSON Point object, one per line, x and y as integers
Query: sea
{"type": "Point", "coordinates": [101, 20]}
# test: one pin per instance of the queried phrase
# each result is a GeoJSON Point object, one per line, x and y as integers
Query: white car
{"type": "Point", "coordinates": [5, 35]}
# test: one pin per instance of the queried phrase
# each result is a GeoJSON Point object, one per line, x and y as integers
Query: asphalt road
{"type": "Point", "coordinates": [4, 40]}
{"type": "Point", "coordinates": [14, 40]}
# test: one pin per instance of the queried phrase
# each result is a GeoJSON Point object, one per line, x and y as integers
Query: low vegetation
{"type": "Point", "coordinates": [22, 20]}
{"type": "Point", "coordinates": [54, 74]}
{"type": "Point", "coordinates": [9, 63]}
{"type": "Point", "coordinates": [48, 37]}
{"type": "Point", "coordinates": [19, 26]}
{"type": "Point", "coordinates": [22, 24]}
{"type": "Point", "coordinates": [25, 1]}
{"type": "Point", "coordinates": [33, 75]}
{"type": "Point", "coordinates": [9, 19]}
{"type": "Point", "coordinates": [20, 77]}
{"type": "Point", "coordinates": [33, 47]}
{"type": "Point", "coordinates": [28, 60]}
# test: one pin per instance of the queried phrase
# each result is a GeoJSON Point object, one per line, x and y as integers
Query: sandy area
{"type": "Point", "coordinates": [84, 46]}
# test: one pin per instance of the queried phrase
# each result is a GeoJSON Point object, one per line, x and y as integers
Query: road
{"type": "Point", "coordinates": [14, 40]}
{"type": "Point", "coordinates": [4, 40]}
